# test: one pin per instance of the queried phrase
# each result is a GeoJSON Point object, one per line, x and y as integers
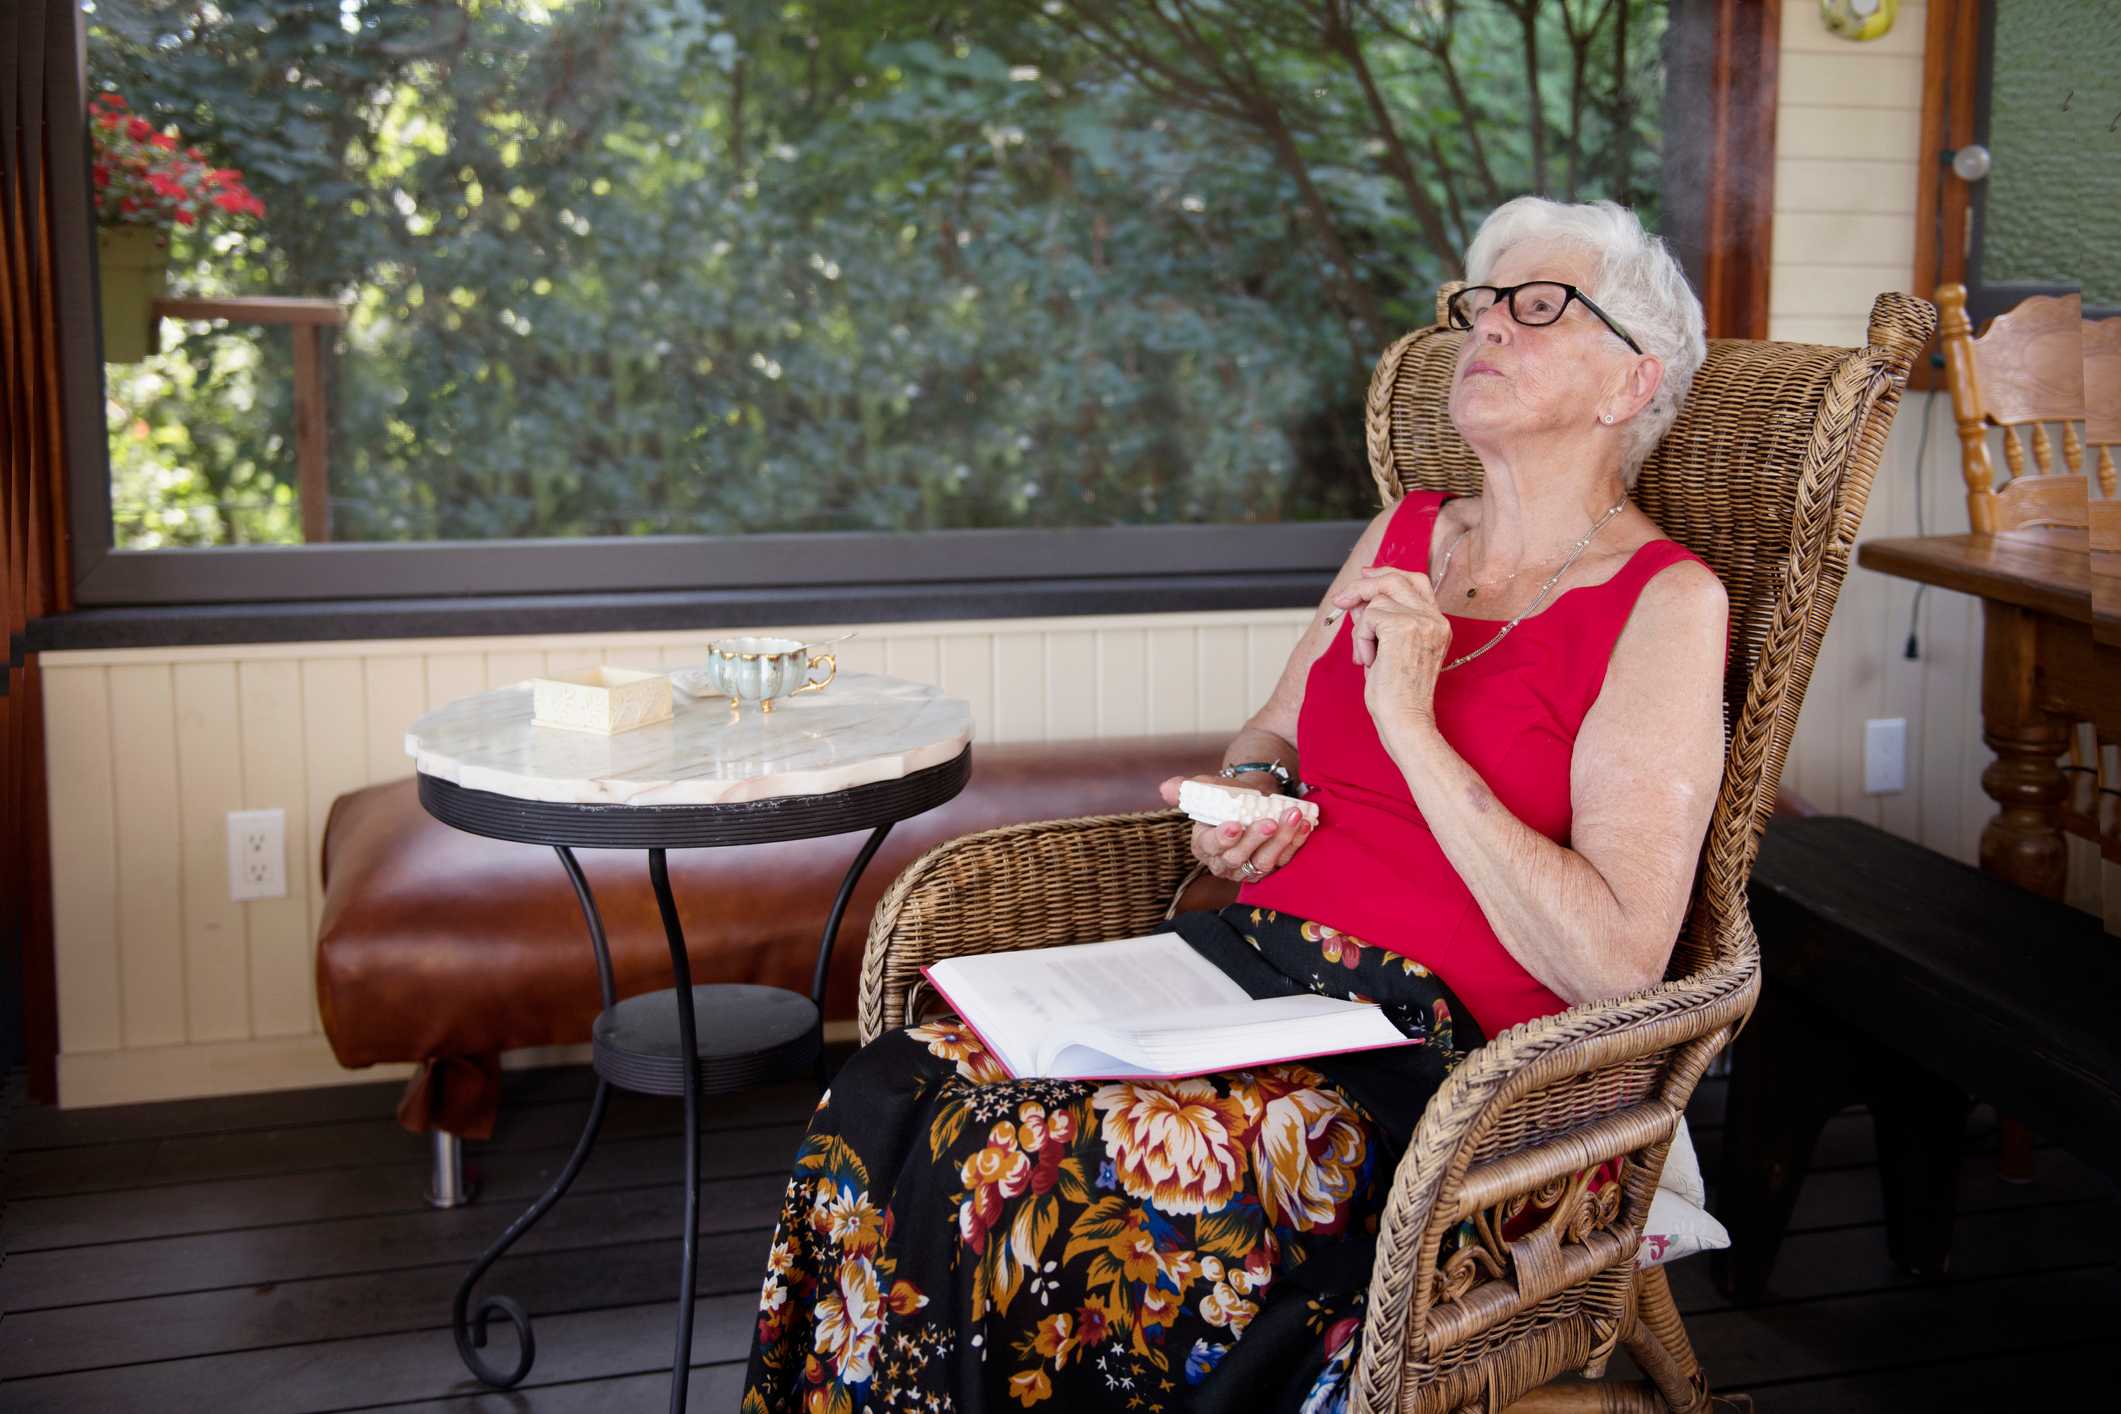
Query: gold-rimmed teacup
{"type": "Point", "coordinates": [765, 670]}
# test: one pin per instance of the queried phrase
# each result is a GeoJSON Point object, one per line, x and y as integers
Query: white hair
{"type": "Point", "coordinates": [1638, 283]}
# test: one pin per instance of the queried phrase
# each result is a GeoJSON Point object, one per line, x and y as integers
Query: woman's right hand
{"type": "Point", "coordinates": [1227, 849]}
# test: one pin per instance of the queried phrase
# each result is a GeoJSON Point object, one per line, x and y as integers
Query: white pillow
{"type": "Point", "coordinates": [1679, 1224]}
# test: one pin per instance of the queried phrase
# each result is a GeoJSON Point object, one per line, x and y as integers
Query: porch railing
{"type": "Point", "coordinates": [307, 319]}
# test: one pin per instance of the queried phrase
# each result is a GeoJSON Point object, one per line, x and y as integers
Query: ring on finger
{"type": "Point", "coordinates": [1249, 869]}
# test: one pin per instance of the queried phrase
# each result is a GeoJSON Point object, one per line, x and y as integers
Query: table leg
{"type": "Point", "coordinates": [470, 1326]}
{"type": "Point", "coordinates": [688, 1045]}
{"type": "Point", "coordinates": [822, 975]}
{"type": "Point", "coordinates": [2024, 842]}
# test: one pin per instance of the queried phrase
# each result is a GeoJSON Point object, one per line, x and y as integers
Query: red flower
{"type": "Point", "coordinates": [101, 172]}
{"type": "Point", "coordinates": [112, 101]}
{"type": "Point", "coordinates": [194, 154]}
{"type": "Point", "coordinates": [130, 203]}
{"type": "Point", "coordinates": [166, 185]}
{"type": "Point", "coordinates": [166, 141]}
{"type": "Point", "coordinates": [230, 201]}
{"type": "Point", "coordinates": [109, 120]}
{"type": "Point", "coordinates": [138, 129]}
{"type": "Point", "coordinates": [184, 217]}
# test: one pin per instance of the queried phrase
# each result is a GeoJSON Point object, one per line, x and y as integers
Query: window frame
{"type": "Point", "coordinates": [439, 588]}
{"type": "Point", "coordinates": [1958, 73]}
{"type": "Point", "coordinates": [1985, 299]}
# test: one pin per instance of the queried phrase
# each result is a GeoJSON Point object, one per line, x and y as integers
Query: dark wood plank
{"type": "Point", "coordinates": [130, 1270]}
{"type": "Point", "coordinates": [2054, 1377]}
{"type": "Point", "coordinates": [1841, 1197]}
{"type": "Point", "coordinates": [715, 1388]}
{"type": "Point", "coordinates": [1905, 1326]}
{"type": "Point", "coordinates": [382, 1370]}
{"type": "Point", "coordinates": [508, 1181]}
{"type": "Point", "coordinates": [1997, 1243]}
{"type": "Point", "coordinates": [131, 1164]}
{"type": "Point", "coordinates": [73, 1338]}
{"type": "Point", "coordinates": [47, 1127]}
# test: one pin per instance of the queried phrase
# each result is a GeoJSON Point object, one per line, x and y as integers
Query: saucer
{"type": "Point", "coordinates": [693, 683]}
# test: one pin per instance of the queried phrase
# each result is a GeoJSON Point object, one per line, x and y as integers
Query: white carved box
{"type": "Point", "coordinates": [602, 700]}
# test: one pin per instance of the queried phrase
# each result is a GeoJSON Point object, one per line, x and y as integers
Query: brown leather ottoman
{"type": "Point", "coordinates": [446, 948]}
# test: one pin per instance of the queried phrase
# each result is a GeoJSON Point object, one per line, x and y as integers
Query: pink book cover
{"type": "Point", "coordinates": [995, 1051]}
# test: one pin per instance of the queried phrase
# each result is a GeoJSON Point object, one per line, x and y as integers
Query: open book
{"type": "Point", "coordinates": [1141, 1006]}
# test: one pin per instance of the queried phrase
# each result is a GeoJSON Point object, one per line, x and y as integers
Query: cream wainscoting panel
{"type": "Point", "coordinates": [209, 785]}
{"type": "Point", "coordinates": [143, 731]}
{"type": "Point", "coordinates": [275, 770]}
{"type": "Point", "coordinates": [84, 834]}
{"type": "Point", "coordinates": [167, 989]}
{"type": "Point", "coordinates": [1847, 130]}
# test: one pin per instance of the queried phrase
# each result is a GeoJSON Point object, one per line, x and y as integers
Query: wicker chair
{"type": "Point", "coordinates": [1765, 476]}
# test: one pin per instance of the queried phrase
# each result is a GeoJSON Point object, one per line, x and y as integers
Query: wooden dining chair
{"type": "Point", "coordinates": [2024, 371]}
{"type": "Point", "coordinates": [2102, 398]}
{"type": "Point", "coordinates": [1765, 476]}
{"type": "Point", "coordinates": [2093, 810]}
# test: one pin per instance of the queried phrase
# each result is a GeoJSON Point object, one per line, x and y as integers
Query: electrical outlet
{"type": "Point", "coordinates": [257, 854]}
{"type": "Point", "coordinates": [1884, 755]}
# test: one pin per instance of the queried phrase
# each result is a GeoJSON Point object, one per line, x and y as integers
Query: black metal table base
{"type": "Point", "coordinates": [652, 1044]}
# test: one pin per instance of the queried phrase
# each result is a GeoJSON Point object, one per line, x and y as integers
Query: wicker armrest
{"type": "Point", "coordinates": [1522, 1123]}
{"type": "Point", "coordinates": [1021, 886]}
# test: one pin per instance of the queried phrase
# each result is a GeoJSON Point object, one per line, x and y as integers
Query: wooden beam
{"type": "Point", "coordinates": [254, 309]}
{"type": "Point", "coordinates": [1739, 227]}
{"type": "Point", "coordinates": [312, 453]}
{"type": "Point", "coordinates": [1951, 69]}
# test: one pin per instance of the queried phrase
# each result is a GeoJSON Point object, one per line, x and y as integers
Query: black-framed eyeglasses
{"type": "Point", "coordinates": [1533, 304]}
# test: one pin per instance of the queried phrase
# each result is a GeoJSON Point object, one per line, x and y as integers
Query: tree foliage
{"type": "Point", "coordinates": [622, 267]}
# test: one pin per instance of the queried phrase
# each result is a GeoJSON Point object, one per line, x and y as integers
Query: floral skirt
{"type": "Point", "coordinates": [952, 1239]}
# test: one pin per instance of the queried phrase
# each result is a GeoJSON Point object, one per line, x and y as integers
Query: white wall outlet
{"type": "Point", "coordinates": [257, 854]}
{"type": "Point", "coordinates": [1884, 755]}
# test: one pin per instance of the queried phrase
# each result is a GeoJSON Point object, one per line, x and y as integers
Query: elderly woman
{"type": "Point", "coordinates": [1507, 711]}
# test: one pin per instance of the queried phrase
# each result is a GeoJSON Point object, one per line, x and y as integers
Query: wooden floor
{"type": "Point", "coordinates": [273, 1253]}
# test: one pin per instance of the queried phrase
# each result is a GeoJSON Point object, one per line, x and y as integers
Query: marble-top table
{"type": "Point", "coordinates": [865, 728]}
{"type": "Point", "coordinates": [863, 754]}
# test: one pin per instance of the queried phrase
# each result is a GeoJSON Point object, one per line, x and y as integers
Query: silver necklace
{"type": "Point", "coordinates": [1544, 589]}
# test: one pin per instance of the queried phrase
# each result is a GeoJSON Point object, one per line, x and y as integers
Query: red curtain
{"type": "Point", "coordinates": [45, 283]}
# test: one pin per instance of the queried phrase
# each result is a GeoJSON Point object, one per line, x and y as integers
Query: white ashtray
{"type": "Point", "coordinates": [1219, 805]}
{"type": "Point", "coordinates": [602, 700]}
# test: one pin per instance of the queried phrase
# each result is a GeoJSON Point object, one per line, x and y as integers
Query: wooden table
{"type": "Point", "coordinates": [2051, 656]}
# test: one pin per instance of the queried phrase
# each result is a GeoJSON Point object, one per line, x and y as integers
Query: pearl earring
{"type": "Point", "coordinates": [1608, 417]}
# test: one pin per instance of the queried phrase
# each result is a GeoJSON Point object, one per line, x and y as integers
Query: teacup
{"type": "Point", "coordinates": [764, 670]}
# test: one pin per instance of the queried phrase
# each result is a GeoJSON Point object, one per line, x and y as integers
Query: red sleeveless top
{"type": "Point", "coordinates": [1372, 868]}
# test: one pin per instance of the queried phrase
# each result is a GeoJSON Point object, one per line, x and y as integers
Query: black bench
{"type": "Point", "coordinates": [1911, 982]}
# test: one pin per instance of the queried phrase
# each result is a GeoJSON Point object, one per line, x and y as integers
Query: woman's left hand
{"type": "Point", "coordinates": [1401, 636]}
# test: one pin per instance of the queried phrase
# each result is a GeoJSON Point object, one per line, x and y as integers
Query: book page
{"type": "Point", "coordinates": [1197, 1041]}
{"type": "Point", "coordinates": [1015, 1000]}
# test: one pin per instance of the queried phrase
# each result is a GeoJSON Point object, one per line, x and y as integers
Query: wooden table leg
{"type": "Point", "coordinates": [2024, 842]}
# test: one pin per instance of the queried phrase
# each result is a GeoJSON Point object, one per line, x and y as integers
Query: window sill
{"type": "Point", "coordinates": [161, 626]}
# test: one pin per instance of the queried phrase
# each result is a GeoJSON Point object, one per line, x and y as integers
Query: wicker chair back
{"type": "Point", "coordinates": [1754, 477]}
